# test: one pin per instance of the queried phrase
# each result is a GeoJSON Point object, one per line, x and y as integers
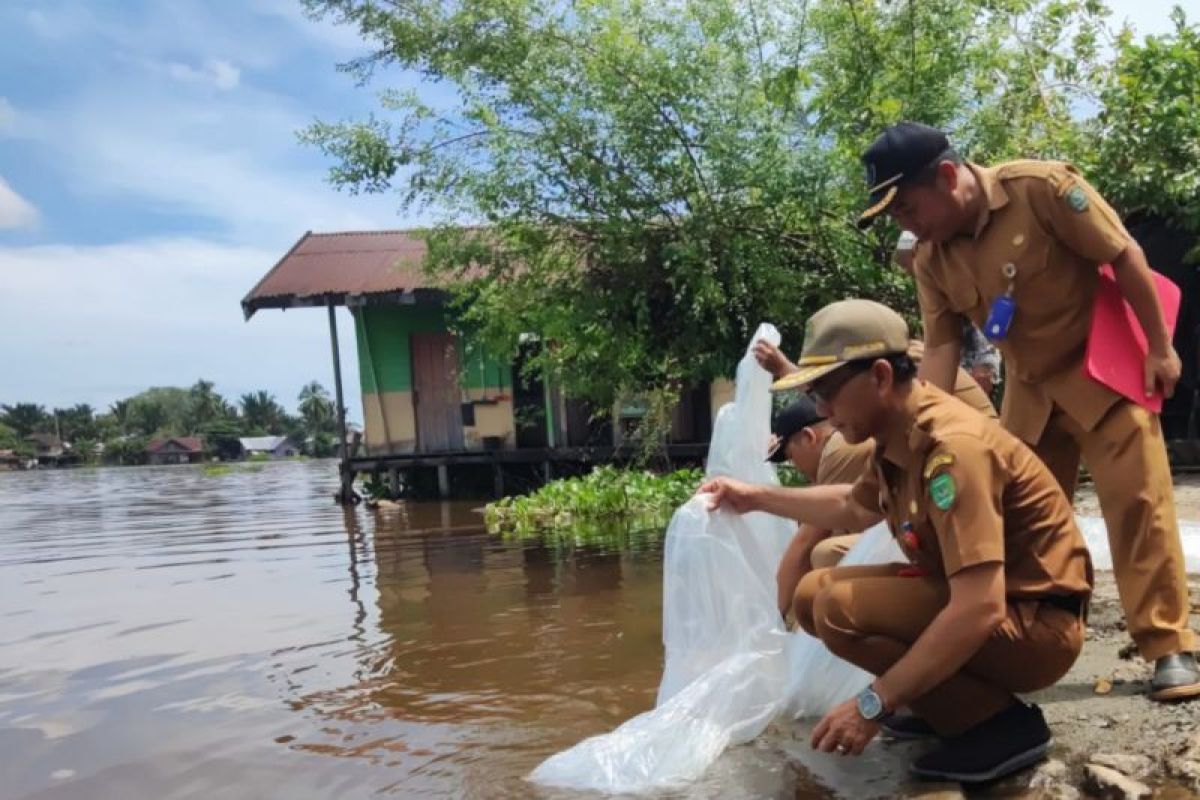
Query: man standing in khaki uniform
{"type": "Point", "coordinates": [1015, 248]}
{"type": "Point", "coordinates": [992, 601]}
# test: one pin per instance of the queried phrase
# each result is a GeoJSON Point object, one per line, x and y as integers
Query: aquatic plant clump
{"type": "Point", "coordinates": [606, 495]}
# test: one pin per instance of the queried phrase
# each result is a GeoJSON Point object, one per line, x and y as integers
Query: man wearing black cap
{"type": "Point", "coordinates": [1016, 249]}
{"type": "Point", "coordinates": [823, 456]}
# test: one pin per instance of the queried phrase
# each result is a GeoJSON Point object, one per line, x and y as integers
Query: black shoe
{"type": "Point", "coordinates": [906, 727]}
{"type": "Point", "coordinates": [1006, 743]}
{"type": "Point", "coordinates": [1176, 677]}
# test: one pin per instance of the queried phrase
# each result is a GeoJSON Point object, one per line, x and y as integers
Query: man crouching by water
{"type": "Point", "coordinates": [993, 599]}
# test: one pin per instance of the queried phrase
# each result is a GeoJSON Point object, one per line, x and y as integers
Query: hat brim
{"type": "Point", "coordinates": [804, 376]}
{"type": "Point", "coordinates": [867, 217]}
{"type": "Point", "coordinates": [779, 454]}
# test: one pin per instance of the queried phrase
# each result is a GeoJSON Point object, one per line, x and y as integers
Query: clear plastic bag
{"type": "Point", "coordinates": [730, 666]}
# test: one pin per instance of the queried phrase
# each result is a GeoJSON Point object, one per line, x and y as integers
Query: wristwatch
{"type": "Point", "coordinates": [870, 705]}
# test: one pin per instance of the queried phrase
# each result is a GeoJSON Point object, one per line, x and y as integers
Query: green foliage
{"type": "Point", "coordinates": [1148, 131]}
{"type": "Point", "coordinates": [160, 410]}
{"type": "Point", "coordinates": [318, 415]}
{"type": "Point", "coordinates": [126, 450]}
{"type": "Point", "coordinates": [658, 178]}
{"type": "Point", "coordinates": [262, 414]}
{"type": "Point", "coordinates": [376, 488]}
{"type": "Point", "coordinates": [26, 418]}
{"type": "Point", "coordinates": [164, 411]}
{"type": "Point", "coordinates": [790, 476]}
{"type": "Point", "coordinates": [221, 439]}
{"type": "Point", "coordinates": [205, 407]}
{"type": "Point", "coordinates": [10, 439]}
{"type": "Point", "coordinates": [637, 500]}
{"type": "Point", "coordinates": [76, 422]}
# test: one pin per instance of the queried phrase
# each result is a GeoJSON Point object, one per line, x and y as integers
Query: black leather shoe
{"type": "Point", "coordinates": [1176, 677]}
{"type": "Point", "coordinates": [1006, 743]}
{"type": "Point", "coordinates": [907, 727]}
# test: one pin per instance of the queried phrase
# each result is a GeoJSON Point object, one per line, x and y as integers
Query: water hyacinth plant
{"type": "Point", "coordinates": [607, 499]}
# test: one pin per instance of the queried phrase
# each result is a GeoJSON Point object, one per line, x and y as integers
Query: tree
{"type": "Point", "coordinates": [26, 418]}
{"type": "Point", "coordinates": [121, 414]}
{"type": "Point", "coordinates": [148, 416]}
{"type": "Point", "coordinates": [262, 413]}
{"type": "Point", "coordinates": [319, 417]}
{"type": "Point", "coordinates": [221, 438]}
{"type": "Point", "coordinates": [76, 422]}
{"type": "Point", "coordinates": [9, 438]}
{"type": "Point", "coordinates": [658, 178]}
{"type": "Point", "coordinates": [160, 410]}
{"type": "Point", "coordinates": [1147, 134]}
{"type": "Point", "coordinates": [126, 451]}
{"type": "Point", "coordinates": [206, 406]}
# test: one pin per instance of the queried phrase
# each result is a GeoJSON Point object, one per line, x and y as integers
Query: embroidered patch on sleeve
{"type": "Point", "coordinates": [942, 491]}
{"type": "Point", "coordinates": [1077, 199]}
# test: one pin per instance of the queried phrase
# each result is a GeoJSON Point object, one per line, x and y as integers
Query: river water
{"type": "Point", "coordinates": [174, 633]}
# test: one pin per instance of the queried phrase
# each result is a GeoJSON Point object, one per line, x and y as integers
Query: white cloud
{"type": "Point", "coordinates": [92, 324]}
{"type": "Point", "coordinates": [230, 157]}
{"type": "Point", "coordinates": [215, 72]}
{"type": "Point", "coordinates": [15, 211]}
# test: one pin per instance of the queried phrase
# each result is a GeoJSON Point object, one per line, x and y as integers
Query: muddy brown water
{"type": "Point", "coordinates": [169, 633]}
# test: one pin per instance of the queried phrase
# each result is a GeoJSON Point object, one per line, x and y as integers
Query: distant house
{"type": "Point", "coordinates": [9, 460]}
{"type": "Point", "coordinates": [176, 450]}
{"type": "Point", "coordinates": [270, 446]}
{"type": "Point", "coordinates": [48, 449]}
{"type": "Point", "coordinates": [46, 445]}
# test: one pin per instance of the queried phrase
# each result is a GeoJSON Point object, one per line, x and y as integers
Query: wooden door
{"type": "Point", "coordinates": [436, 395]}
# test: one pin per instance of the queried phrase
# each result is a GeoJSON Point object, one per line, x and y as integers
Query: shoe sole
{"type": "Point", "coordinates": [1014, 764]}
{"type": "Point", "coordinates": [1173, 693]}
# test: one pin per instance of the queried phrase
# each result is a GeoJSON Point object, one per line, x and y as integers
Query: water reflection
{"type": "Point", "coordinates": [170, 634]}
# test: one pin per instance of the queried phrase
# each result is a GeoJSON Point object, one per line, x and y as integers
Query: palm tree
{"type": "Point", "coordinates": [26, 418]}
{"type": "Point", "coordinates": [315, 406]}
{"type": "Point", "coordinates": [262, 412]}
{"type": "Point", "coordinates": [205, 405]}
{"type": "Point", "coordinates": [121, 412]}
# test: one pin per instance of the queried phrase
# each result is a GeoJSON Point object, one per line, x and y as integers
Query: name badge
{"type": "Point", "coordinates": [1000, 315]}
{"type": "Point", "coordinates": [999, 318]}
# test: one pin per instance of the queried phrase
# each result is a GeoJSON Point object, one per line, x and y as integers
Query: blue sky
{"type": "Point", "coordinates": [150, 174]}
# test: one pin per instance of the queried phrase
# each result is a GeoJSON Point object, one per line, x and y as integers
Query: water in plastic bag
{"type": "Point", "coordinates": [730, 666]}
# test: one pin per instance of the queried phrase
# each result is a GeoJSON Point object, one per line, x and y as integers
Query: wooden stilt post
{"type": "Point", "coordinates": [345, 494]}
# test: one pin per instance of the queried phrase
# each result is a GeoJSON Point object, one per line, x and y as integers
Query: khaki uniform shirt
{"type": "Point", "coordinates": [1055, 229]}
{"type": "Point", "coordinates": [966, 388]}
{"type": "Point", "coordinates": [842, 462]}
{"type": "Point", "coordinates": [974, 494]}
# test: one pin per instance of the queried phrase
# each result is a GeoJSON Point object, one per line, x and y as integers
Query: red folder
{"type": "Point", "coordinates": [1116, 351]}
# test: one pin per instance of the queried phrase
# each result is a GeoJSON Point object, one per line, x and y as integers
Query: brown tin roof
{"type": "Point", "coordinates": [325, 268]}
{"type": "Point", "coordinates": [190, 444]}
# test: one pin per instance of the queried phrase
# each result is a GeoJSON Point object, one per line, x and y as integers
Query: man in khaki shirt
{"type": "Point", "coordinates": [992, 600]}
{"type": "Point", "coordinates": [821, 454]}
{"type": "Point", "coordinates": [824, 457]}
{"type": "Point", "coordinates": [1032, 234]}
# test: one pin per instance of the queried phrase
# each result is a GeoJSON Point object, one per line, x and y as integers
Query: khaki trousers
{"type": "Point", "coordinates": [1127, 457]}
{"type": "Point", "coordinates": [870, 617]}
{"type": "Point", "coordinates": [829, 551]}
